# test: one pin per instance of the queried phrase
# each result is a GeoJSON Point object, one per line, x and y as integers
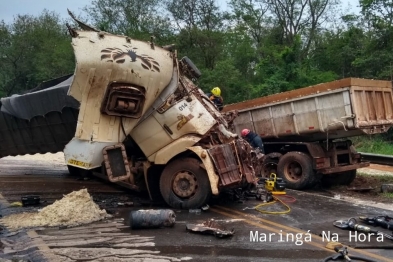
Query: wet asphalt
{"type": "Point", "coordinates": [257, 236]}
{"type": "Point", "coordinates": [267, 237]}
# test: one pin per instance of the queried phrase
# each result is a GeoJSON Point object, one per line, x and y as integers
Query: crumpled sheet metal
{"type": "Point", "coordinates": [211, 227]}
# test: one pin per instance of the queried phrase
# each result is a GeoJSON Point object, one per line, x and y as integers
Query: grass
{"type": "Point", "coordinates": [388, 195]}
{"type": "Point", "coordinates": [373, 144]}
{"type": "Point", "coordinates": [374, 181]}
{"type": "Point", "coordinates": [382, 178]}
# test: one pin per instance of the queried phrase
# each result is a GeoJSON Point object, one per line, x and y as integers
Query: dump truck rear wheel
{"type": "Point", "coordinates": [348, 177]}
{"type": "Point", "coordinates": [269, 164]}
{"type": "Point", "coordinates": [295, 168]}
{"type": "Point", "coordinates": [342, 178]}
{"type": "Point", "coordinates": [184, 184]}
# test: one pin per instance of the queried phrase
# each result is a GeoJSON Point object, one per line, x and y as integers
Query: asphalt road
{"type": "Point", "coordinates": [296, 236]}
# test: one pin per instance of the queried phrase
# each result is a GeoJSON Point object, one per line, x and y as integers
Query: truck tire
{"type": "Point", "coordinates": [78, 172]}
{"type": "Point", "coordinates": [184, 184]}
{"type": "Point", "coordinates": [269, 164]}
{"type": "Point", "coordinates": [347, 177]}
{"type": "Point", "coordinates": [342, 178]}
{"type": "Point", "coordinates": [74, 171]}
{"type": "Point", "coordinates": [295, 168]}
{"type": "Point", "coordinates": [192, 67]}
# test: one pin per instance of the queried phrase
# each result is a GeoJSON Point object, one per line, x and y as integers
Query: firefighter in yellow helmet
{"type": "Point", "coordinates": [216, 98]}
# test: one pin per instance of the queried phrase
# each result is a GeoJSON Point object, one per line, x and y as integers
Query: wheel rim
{"type": "Point", "coordinates": [185, 184]}
{"type": "Point", "coordinates": [293, 171]}
{"type": "Point", "coordinates": [269, 168]}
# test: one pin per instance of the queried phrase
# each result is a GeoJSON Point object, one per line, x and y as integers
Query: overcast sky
{"type": "Point", "coordinates": [10, 8]}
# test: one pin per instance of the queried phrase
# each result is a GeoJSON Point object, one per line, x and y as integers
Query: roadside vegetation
{"type": "Point", "coordinates": [381, 178]}
{"type": "Point", "coordinates": [367, 186]}
{"type": "Point", "coordinates": [250, 48]}
{"type": "Point", "coordinates": [375, 144]}
{"type": "Point", "coordinates": [388, 195]}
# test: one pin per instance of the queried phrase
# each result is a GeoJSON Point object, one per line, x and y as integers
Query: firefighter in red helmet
{"type": "Point", "coordinates": [254, 139]}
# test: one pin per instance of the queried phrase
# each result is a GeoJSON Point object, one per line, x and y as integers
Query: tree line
{"type": "Point", "coordinates": [252, 48]}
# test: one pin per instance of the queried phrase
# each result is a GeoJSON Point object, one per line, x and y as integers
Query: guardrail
{"type": "Point", "coordinates": [377, 158]}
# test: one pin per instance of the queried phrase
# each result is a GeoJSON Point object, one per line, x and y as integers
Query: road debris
{"type": "Point", "coordinates": [196, 211]}
{"type": "Point", "coordinates": [360, 189]}
{"type": "Point", "coordinates": [352, 224]}
{"type": "Point", "coordinates": [30, 200]}
{"type": "Point", "coordinates": [387, 188]}
{"type": "Point", "coordinates": [152, 218]}
{"type": "Point", "coordinates": [210, 227]}
{"type": "Point", "coordinates": [76, 208]}
{"type": "Point", "coordinates": [16, 204]}
{"type": "Point", "coordinates": [382, 221]}
{"type": "Point", "coordinates": [205, 207]}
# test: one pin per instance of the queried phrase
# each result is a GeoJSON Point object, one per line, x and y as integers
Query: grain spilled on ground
{"type": "Point", "coordinates": [76, 208]}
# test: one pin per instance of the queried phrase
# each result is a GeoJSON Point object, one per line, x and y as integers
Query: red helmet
{"type": "Point", "coordinates": [245, 132]}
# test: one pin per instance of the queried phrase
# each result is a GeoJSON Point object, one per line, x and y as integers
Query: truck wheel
{"type": "Point", "coordinates": [295, 168]}
{"type": "Point", "coordinates": [74, 171]}
{"type": "Point", "coordinates": [78, 172]}
{"type": "Point", "coordinates": [184, 184]}
{"type": "Point", "coordinates": [269, 164]}
{"type": "Point", "coordinates": [347, 177]}
{"type": "Point", "coordinates": [342, 178]}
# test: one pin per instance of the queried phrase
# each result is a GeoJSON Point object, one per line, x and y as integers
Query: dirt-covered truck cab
{"type": "Point", "coordinates": [143, 122]}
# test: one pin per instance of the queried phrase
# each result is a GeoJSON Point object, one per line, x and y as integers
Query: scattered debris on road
{"type": "Point", "coordinates": [210, 227]}
{"type": "Point", "coordinates": [360, 189]}
{"type": "Point", "coordinates": [387, 188]}
{"type": "Point", "coordinates": [352, 224]}
{"type": "Point", "coordinates": [30, 200]}
{"type": "Point", "coordinates": [76, 208]}
{"type": "Point", "coordinates": [152, 218]}
{"type": "Point", "coordinates": [382, 221]}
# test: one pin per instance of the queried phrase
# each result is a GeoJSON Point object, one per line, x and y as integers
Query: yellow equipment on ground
{"type": "Point", "coordinates": [275, 185]}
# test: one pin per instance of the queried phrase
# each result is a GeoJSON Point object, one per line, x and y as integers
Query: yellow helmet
{"type": "Point", "coordinates": [216, 91]}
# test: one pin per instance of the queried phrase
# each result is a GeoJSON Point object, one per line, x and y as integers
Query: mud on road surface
{"type": "Point", "coordinates": [258, 236]}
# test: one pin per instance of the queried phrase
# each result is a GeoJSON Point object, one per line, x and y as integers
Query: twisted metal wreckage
{"type": "Point", "coordinates": [132, 114]}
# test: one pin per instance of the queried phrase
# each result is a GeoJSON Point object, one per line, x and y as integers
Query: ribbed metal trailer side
{"type": "Point", "coordinates": [42, 134]}
{"type": "Point", "coordinates": [350, 107]}
{"type": "Point", "coordinates": [42, 120]}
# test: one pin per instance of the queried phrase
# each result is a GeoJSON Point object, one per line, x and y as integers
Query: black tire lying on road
{"type": "Point", "coordinates": [184, 184]}
{"type": "Point", "coordinates": [295, 168]}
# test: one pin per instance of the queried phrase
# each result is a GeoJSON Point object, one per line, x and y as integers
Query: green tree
{"type": "Point", "coordinates": [200, 27]}
{"type": "Point", "coordinates": [140, 19]}
{"type": "Point", "coordinates": [379, 12]}
{"type": "Point", "coordinates": [228, 78]}
{"type": "Point", "coordinates": [33, 49]}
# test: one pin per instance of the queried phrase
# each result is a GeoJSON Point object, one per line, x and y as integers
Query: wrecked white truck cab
{"type": "Point", "coordinates": [143, 122]}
